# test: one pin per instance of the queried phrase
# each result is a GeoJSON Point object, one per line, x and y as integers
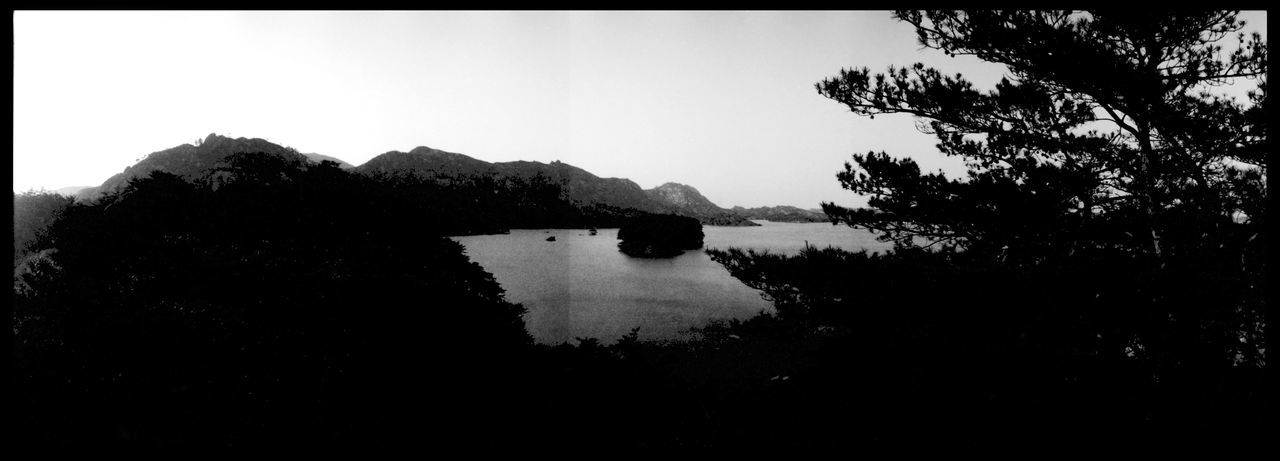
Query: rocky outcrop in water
{"type": "Point", "coordinates": [659, 236]}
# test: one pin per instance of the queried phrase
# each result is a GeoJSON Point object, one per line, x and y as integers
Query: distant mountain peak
{"type": "Point", "coordinates": [686, 200]}
{"type": "Point", "coordinates": [317, 158]}
{"type": "Point", "coordinates": [424, 161]}
{"type": "Point", "coordinates": [424, 150]}
{"type": "Point", "coordinates": [579, 186]}
{"type": "Point", "coordinates": [213, 139]}
{"type": "Point", "coordinates": [192, 161]}
{"type": "Point", "coordinates": [683, 196]}
{"type": "Point", "coordinates": [71, 191]}
{"type": "Point", "coordinates": [781, 213]}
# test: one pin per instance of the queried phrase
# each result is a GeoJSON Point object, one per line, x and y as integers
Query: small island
{"type": "Point", "coordinates": [659, 236]}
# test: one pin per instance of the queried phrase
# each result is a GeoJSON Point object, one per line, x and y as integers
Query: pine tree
{"type": "Point", "coordinates": [1106, 132]}
{"type": "Point", "coordinates": [1105, 243]}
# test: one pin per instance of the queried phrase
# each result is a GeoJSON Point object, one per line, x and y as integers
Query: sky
{"type": "Point", "coordinates": [723, 101]}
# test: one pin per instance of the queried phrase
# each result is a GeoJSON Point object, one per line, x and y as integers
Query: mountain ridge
{"type": "Point", "coordinates": [781, 213]}
{"type": "Point", "coordinates": [317, 158]}
{"type": "Point", "coordinates": [578, 186]}
{"type": "Point", "coordinates": [189, 161]}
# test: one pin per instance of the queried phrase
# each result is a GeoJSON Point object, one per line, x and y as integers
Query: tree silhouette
{"type": "Point", "coordinates": [1104, 115]}
{"type": "Point", "coordinates": [659, 236]}
{"type": "Point", "coordinates": [290, 304]}
{"type": "Point", "coordinates": [1105, 243]}
{"type": "Point", "coordinates": [33, 213]}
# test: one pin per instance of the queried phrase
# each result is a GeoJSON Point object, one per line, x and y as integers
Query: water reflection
{"type": "Point", "coordinates": [581, 286]}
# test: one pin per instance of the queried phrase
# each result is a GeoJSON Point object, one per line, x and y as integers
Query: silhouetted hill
{"type": "Point", "coordinates": [71, 191]}
{"type": "Point", "coordinates": [190, 161]}
{"type": "Point", "coordinates": [424, 162]}
{"type": "Point", "coordinates": [578, 186]}
{"type": "Point", "coordinates": [781, 213]}
{"type": "Point", "coordinates": [584, 188]}
{"type": "Point", "coordinates": [317, 158]}
{"type": "Point", "coordinates": [684, 197]}
{"type": "Point", "coordinates": [686, 201]}
{"type": "Point", "coordinates": [592, 194]}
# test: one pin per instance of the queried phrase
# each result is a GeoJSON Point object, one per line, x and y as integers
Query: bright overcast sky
{"type": "Point", "coordinates": [722, 101]}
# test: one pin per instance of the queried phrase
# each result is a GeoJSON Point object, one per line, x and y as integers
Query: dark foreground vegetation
{"type": "Point", "coordinates": [276, 305]}
{"type": "Point", "coordinates": [1077, 289]}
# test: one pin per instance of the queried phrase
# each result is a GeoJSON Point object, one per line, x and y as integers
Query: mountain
{"type": "Point", "coordinates": [192, 161]}
{"type": "Point", "coordinates": [317, 158]}
{"type": "Point", "coordinates": [780, 214]}
{"type": "Point", "coordinates": [685, 200]}
{"type": "Point", "coordinates": [71, 191]}
{"type": "Point", "coordinates": [579, 186]}
{"type": "Point", "coordinates": [583, 188]}
{"type": "Point", "coordinates": [424, 162]}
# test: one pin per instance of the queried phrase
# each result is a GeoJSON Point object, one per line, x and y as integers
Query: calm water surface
{"type": "Point", "coordinates": [581, 285]}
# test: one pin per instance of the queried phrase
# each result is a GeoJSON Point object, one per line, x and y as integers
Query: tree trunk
{"type": "Point", "coordinates": [1147, 174]}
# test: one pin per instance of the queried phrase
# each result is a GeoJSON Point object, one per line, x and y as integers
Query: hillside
{"type": "Point", "coordinates": [579, 186]}
{"type": "Point", "coordinates": [423, 162]}
{"type": "Point", "coordinates": [687, 201]}
{"type": "Point", "coordinates": [71, 191]}
{"type": "Point", "coordinates": [780, 214]}
{"type": "Point", "coordinates": [685, 198]}
{"type": "Point", "coordinates": [317, 158]}
{"type": "Point", "coordinates": [191, 161]}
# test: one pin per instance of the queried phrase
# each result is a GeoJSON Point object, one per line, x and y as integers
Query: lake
{"type": "Point", "coordinates": [581, 285]}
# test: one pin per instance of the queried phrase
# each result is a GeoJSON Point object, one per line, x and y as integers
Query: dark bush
{"type": "Point", "coordinates": [291, 306]}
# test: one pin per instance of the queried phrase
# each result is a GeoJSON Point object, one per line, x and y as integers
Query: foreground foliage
{"type": "Point", "coordinates": [1096, 277]}
{"type": "Point", "coordinates": [270, 305]}
{"type": "Point", "coordinates": [1077, 288]}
